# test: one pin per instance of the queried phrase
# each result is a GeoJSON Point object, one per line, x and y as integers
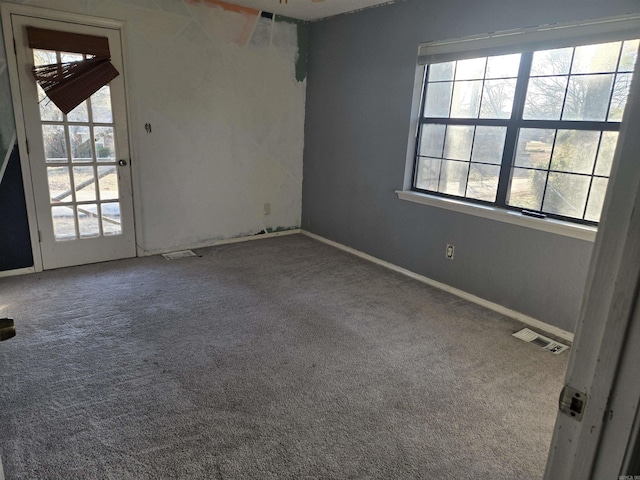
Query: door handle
{"type": "Point", "coordinates": [122, 162]}
{"type": "Point", "coordinates": [7, 329]}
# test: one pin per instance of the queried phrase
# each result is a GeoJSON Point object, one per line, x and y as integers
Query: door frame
{"type": "Point", "coordinates": [6, 11]}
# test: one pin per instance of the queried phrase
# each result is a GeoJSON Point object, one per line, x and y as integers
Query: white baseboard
{"type": "Point", "coordinates": [215, 243]}
{"type": "Point", "coordinates": [521, 317]}
{"type": "Point", "coordinates": [1, 470]}
{"type": "Point", "coordinates": [17, 271]}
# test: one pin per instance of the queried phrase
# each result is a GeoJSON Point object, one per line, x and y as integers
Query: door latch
{"type": "Point", "coordinates": [572, 402]}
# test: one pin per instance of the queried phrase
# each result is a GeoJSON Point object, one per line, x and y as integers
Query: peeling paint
{"type": "Point", "coordinates": [303, 45]}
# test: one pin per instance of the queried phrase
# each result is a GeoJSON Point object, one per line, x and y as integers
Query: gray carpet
{"type": "Point", "coordinates": [281, 358]}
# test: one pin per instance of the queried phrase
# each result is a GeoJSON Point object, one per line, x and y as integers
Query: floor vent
{"type": "Point", "coordinates": [541, 341]}
{"type": "Point", "coordinates": [179, 254]}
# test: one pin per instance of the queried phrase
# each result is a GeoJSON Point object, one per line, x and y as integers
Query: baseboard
{"type": "Point", "coordinates": [1, 470]}
{"type": "Point", "coordinates": [215, 243]}
{"type": "Point", "coordinates": [521, 317]}
{"type": "Point", "coordinates": [17, 271]}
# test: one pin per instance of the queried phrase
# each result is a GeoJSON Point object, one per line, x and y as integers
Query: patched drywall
{"type": "Point", "coordinates": [218, 86]}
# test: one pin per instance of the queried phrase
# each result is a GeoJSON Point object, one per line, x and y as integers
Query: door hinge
{"type": "Point", "coordinates": [39, 237]}
{"type": "Point", "coordinates": [15, 49]}
{"type": "Point", "coordinates": [27, 142]}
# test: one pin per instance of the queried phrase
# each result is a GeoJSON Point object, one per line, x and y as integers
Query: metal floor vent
{"type": "Point", "coordinates": [541, 341]}
{"type": "Point", "coordinates": [179, 254]}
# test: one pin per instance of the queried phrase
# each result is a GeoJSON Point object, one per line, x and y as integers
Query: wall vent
{"type": "Point", "coordinates": [540, 341]}
{"type": "Point", "coordinates": [179, 254]}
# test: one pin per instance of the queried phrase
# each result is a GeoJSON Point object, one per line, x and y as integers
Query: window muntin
{"type": "Point", "coordinates": [533, 131]}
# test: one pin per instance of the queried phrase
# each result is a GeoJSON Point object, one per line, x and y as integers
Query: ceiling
{"type": "Point", "coordinates": [308, 9]}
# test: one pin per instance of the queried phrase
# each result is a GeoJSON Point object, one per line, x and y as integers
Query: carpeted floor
{"type": "Point", "coordinates": [280, 358]}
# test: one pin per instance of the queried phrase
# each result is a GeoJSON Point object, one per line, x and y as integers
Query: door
{"type": "Point", "coordinates": [79, 163]}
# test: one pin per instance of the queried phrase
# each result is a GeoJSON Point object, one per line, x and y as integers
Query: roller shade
{"type": "Point", "coordinates": [530, 39]}
{"type": "Point", "coordinates": [69, 84]}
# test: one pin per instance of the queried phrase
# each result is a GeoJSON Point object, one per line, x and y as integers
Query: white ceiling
{"type": "Point", "coordinates": [308, 9]}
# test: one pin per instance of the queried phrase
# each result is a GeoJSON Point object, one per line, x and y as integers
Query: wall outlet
{"type": "Point", "coordinates": [449, 252]}
{"type": "Point", "coordinates": [267, 208]}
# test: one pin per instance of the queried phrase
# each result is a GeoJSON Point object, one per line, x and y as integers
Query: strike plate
{"type": "Point", "coordinates": [572, 402]}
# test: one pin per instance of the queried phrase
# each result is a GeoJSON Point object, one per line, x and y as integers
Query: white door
{"type": "Point", "coordinates": [79, 163]}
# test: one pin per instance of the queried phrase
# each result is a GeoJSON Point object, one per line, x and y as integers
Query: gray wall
{"type": "Point", "coordinates": [360, 83]}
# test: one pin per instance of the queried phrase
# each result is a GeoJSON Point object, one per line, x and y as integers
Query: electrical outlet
{"type": "Point", "coordinates": [449, 252]}
{"type": "Point", "coordinates": [267, 208]}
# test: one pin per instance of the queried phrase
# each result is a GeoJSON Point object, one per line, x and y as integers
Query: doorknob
{"type": "Point", "coordinates": [7, 329]}
{"type": "Point", "coordinates": [122, 162]}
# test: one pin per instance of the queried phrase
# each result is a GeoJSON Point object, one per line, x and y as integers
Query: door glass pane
{"type": "Point", "coordinates": [64, 223]}
{"type": "Point", "coordinates": [80, 139]}
{"type": "Point", "coordinates": [85, 184]}
{"type": "Point", "coordinates": [55, 143]}
{"type": "Point", "coordinates": [111, 224]}
{"type": "Point", "coordinates": [104, 144]}
{"type": "Point", "coordinates": [48, 110]}
{"type": "Point", "coordinates": [59, 184]}
{"type": "Point", "coordinates": [101, 105]}
{"type": "Point", "coordinates": [79, 114]}
{"type": "Point", "coordinates": [88, 220]}
{"type": "Point", "coordinates": [108, 181]}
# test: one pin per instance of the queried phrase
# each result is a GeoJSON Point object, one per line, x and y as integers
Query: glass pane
{"type": "Point", "coordinates": [466, 99]}
{"type": "Point", "coordinates": [88, 221]}
{"type": "Point", "coordinates": [111, 224]}
{"type": "Point", "coordinates": [44, 57]}
{"type": "Point", "coordinates": [588, 98]}
{"type": "Point", "coordinates": [432, 140]}
{"type": "Point", "coordinates": [596, 58]}
{"type": "Point", "coordinates": [428, 173]}
{"type": "Point", "coordinates": [471, 69]}
{"type": "Point", "coordinates": [453, 177]}
{"type": "Point", "coordinates": [596, 199]}
{"type": "Point", "coordinates": [108, 181]}
{"type": "Point", "coordinates": [605, 153]}
{"type": "Point", "coordinates": [80, 138]}
{"type": "Point", "coordinates": [566, 194]}
{"type": "Point", "coordinates": [503, 66]}
{"type": "Point", "coordinates": [552, 62]}
{"type": "Point", "coordinates": [457, 145]}
{"type": "Point", "coordinates": [59, 184]}
{"type": "Point", "coordinates": [629, 55]}
{"type": "Point", "coordinates": [441, 71]}
{"type": "Point", "coordinates": [619, 98]}
{"type": "Point", "coordinates": [438, 99]}
{"type": "Point", "coordinates": [79, 114]}
{"type": "Point", "coordinates": [544, 98]}
{"type": "Point", "coordinates": [527, 188]}
{"type": "Point", "coordinates": [70, 57]}
{"type": "Point", "coordinates": [64, 223]}
{"type": "Point", "coordinates": [483, 182]}
{"type": "Point", "coordinates": [575, 151]}
{"type": "Point", "coordinates": [488, 144]}
{"type": "Point", "coordinates": [104, 143]}
{"type": "Point", "coordinates": [101, 105]}
{"type": "Point", "coordinates": [55, 143]}
{"type": "Point", "coordinates": [49, 112]}
{"type": "Point", "coordinates": [497, 98]}
{"type": "Point", "coordinates": [534, 148]}
{"type": "Point", "coordinates": [85, 184]}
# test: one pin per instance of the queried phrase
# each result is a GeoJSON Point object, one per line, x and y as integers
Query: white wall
{"type": "Point", "coordinates": [219, 89]}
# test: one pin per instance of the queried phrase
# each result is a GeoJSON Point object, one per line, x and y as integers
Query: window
{"type": "Point", "coordinates": [529, 129]}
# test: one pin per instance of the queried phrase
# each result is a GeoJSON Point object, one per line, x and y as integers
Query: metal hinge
{"type": "Point", "coordinates": [27, 142]}
{"type": "Point", "coordinates": [15, 49]}
{"type": "Point", "coordinates": [39, 237]}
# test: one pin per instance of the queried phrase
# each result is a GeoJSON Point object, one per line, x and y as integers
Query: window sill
{"type": "Point", "coordinates": [581, 232]}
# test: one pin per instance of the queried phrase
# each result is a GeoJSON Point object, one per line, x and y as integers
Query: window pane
{"type": "Point", "coordinates": [488, 144]}
{"type": "Point", "coordinates": [59, 184]}
{"type": "Point", "coordinates": [534, 148]}
{"type": "Point", "coordinates": [44, 57]}
{"type": "Point", "coordinates": [55, 144]}
{"type": "Point", "coordinates": [88, 221]}
{"type": "Point", "coordinates": [453, 177]}
{"type": "Point", "coordinates": [605, 153]}
{"type": "Point", "coordinates": [483, 182]}
{"type": "Point", "coordinates": [526, 188]}
{"type": "Point", "coordinates": [101, 105]}
{"type": "Point", "coordinates": [79, 114]}
{"type": "Point", "coordinates": [619, 97]}
{"type": "Point", "coordinates": [428, 173]}
{"type": "Point", "coordinates": [441, 71]}
{"type": "Point", "coordinates": [596, 58]}
{"type": "Point", "coordinates": [575, 151]}
{"type": "Point", "coordinates": [472, 69]}
{"type": "Point", "coordinates": [544, 98]}
{"type": "Point", "coordinates": [466, 99]}
{"type": "Point", "coordinates": [629, 56]}
{"type": "Point", "coordinates": [497, 98]}
{"type": "Point", "coordinates": [111, 223]}
{"type": "Point", "coordinates": [438, 99]}
{"type": "Point", "coordinates": [48, 110]}
{"type": "Point", "coordinates": [64, 223]}
{"type": "Point", "coordinates": [457, 145]}
{"type": "Point", "coordinates": [104, 144]}
{"type": "Point", "coordinates": [503, 66]}
{"type": "Point", "coordinates": [108, 183]}
{"type": "Point", "coordinates": [588, 98]}
{"type": "Point", "coordinates": [432, 140]}
{"type": "Point", "coordinates": [551, 62]}
{"type": "Point", "coordinates": [85, 184]}
{"type": "Point", "coordinates": [566, 194]}
{"type": "Point", "coordinates": [596, 199]}
{"type": "Point", "coordinates": [80, 139]}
